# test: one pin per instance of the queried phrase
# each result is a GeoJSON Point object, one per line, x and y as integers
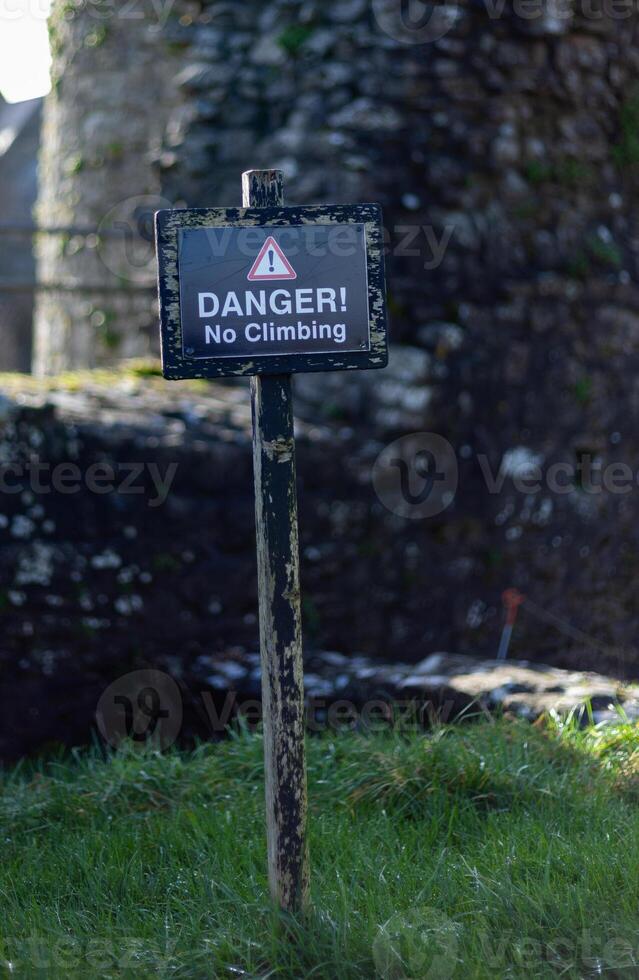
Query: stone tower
{"type": "Point", "coordinates": [104, 121]}
{"type": "Point", "coordinates": [19, 139]}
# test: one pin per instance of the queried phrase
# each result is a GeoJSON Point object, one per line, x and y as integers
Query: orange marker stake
{"type": "Point", "coordinates": [512, 600]}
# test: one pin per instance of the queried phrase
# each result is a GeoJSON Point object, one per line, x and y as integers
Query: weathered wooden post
{"type": "Point", "coordinates": [228, 309]}
{"type": "Point", "coordinates": [280, 615]}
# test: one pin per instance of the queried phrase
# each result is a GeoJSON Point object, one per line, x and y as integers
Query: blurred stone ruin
{"type": "Point", "coordinates": [504, 148]}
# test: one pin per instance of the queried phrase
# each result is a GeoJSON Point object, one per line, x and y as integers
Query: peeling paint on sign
{"type": "Point", "coordinates": [271, 290]}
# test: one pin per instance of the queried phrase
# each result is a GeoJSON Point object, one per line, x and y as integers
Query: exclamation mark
{"type": "Point", "coordinates": [271, 260]}
{"type": "Point", "coordinates": [342, 293]}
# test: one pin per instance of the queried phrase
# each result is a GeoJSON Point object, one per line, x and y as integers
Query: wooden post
{"type": "Point", "coordinates": [280, 616]}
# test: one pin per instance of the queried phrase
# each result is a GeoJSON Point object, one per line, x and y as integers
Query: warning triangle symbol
{"type": "Point", "coordinates": [271, 263]}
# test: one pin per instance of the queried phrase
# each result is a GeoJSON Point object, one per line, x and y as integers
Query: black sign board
{"type": "Point", "coordinates": [271, 290]}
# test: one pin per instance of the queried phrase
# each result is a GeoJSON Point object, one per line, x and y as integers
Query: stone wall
{"type": "Point", "coordinates": [510, 144]}
{"type": "Point", "coordinates": [502, 140]}
{"type": "Point", "coordinates": [127, 542]}
{"type": "Point", "coordinates": [504, 147]}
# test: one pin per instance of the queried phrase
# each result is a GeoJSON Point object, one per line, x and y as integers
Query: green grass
{"type": "Point", "coordinates": [482, 850]}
